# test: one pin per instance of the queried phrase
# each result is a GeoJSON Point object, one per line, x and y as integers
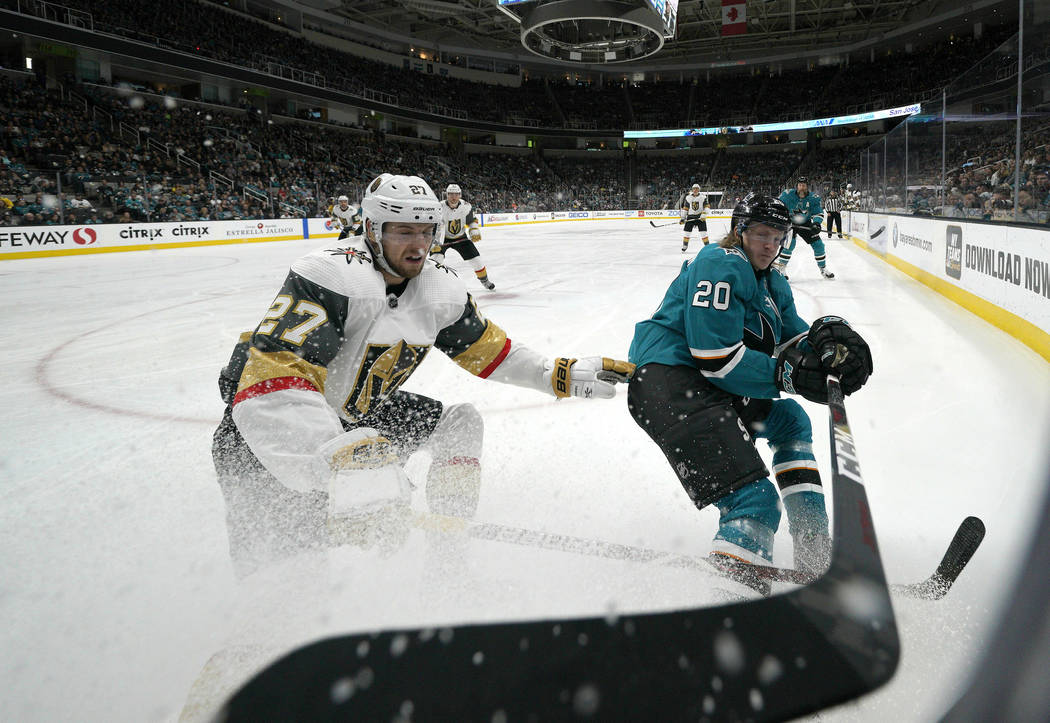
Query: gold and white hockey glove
{"type": "Point", "coordinates": [590, 377]}
{"type": "Point", "coordinates": [368, 493]}
{"type": "Point", "coordinates": [475, 234]}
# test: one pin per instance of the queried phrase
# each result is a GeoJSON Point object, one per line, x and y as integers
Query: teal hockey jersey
{"type": "Point", "coordinates": [809, 208]}
{"type": "Point", "coordinates": [724, 318]}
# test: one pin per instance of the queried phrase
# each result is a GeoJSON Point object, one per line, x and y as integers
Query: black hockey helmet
{"type": "Point", "coordinates": [801, 179]}
{"type": "Point", "coordinates": [756, 208]}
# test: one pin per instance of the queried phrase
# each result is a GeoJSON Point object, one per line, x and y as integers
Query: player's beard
{"type": "Point", "coordinates": [404, 268]}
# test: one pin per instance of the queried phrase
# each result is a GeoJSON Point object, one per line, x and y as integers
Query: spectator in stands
{"type": "Point", "coordinates": [1041, 178]}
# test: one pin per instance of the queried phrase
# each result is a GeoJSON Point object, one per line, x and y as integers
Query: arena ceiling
{"type": "Point", "coordinates": [775, 27]}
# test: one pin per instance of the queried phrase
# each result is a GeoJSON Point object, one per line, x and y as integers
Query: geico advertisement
{"type": "Point", "coordinates": [52, 240]}
{"type": "Point", "coordinates": [1010, 267]}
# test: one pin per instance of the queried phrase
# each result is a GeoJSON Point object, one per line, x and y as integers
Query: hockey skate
{"type": "Point", "coordinates": [823, 272]}
{"type": "Point", "coordinates": [744, 542]}
{"type": "Point", "coordinates": [486, 283]}
{"type": "Point", "coordinates": [812, 552]}
{"type": "Point", "coordinates": [740, 571]}
{"type": "Point", "coordinates": [685, 247]}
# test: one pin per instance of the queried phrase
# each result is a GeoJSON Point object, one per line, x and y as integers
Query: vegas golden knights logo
{"type": "Point", "coordinates": [696, 206]}
{"type": "Point", "coordinates": [455, 226]}
{"type": "Point", "coordinates": [375, 184]}
{"type": "Point", "coordinates": [383, 369]}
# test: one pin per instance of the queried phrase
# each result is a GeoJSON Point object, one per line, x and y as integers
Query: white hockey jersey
{"type": "Point", "coordinates": [334, 345]}
{"type": "Point", "coordinates": [348, 218]}
{"type": "Point", "coordinates": [693, 205]}
{"type": "Point", "coordinates": [457, 220]}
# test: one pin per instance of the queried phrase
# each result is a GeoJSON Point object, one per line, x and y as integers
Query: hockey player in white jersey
{"type": "Point", "coordinates": [694, 208]}
{"type": "Point", "coordinates": [316, 428]}
{"type": "Point", "coordinates": [345, 217]}
{"type": "Point", "coordinates": [461, 233]}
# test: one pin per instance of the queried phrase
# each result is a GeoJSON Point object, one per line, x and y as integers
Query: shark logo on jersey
{"type": "Point", "coordinates": [765, 341]}
{"type": "Point", "coordinates": [733, 250]}
{"type": "Point", "coordinates": [773, 308]}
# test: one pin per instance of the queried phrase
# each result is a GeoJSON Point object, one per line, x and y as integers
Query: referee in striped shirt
{"type": "Point", "coordinates": [833, 205]}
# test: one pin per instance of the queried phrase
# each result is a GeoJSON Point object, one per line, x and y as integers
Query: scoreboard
{"type": "Point", "coordinates": [666, 9]}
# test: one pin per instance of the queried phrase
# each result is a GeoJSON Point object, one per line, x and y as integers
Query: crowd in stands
{"type": "Point", "coordinates": [205, 29]}
{"type": "Point", "coordinates": [104, 156]}
{"type": "Point", "coordinates": [127, 158]}
{"type": "Point", "coordinates": [766, 172]}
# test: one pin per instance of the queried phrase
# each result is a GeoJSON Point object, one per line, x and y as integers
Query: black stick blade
{"type": "Point", "coordinates": [962, 547]}
{"type": "Point", "coordinates": [966, 541]}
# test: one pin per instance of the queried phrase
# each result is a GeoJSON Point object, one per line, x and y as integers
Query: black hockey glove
{"type": "Point", "coordinates": [842, 351]}
{"type": "Point", "coordinates": [800, 372]}
{"type": "Point", "coordinates": [814, 225]}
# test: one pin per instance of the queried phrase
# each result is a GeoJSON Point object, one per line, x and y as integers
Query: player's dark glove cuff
{"type": "Point", "coordinates": [842, 351]}
{"type": "Point", "coordinates": [800, 372]}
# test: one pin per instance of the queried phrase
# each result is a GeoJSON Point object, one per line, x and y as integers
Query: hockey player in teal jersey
{"type": "Point", "coordinates": [711, 364]}
{"type": "Point", "coordinates": [807, 215]}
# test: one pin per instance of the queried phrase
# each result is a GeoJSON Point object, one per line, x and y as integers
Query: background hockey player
{"type": "Point", "coordinates": [461, 233]}
{"type": "Point", "coordinates": [346, 218]}
{"type": "Point", "coordinates": [694, 208]}
{"type": "Point", "coordinates": [851, 198]}
{"type": "Point", "coordinates": [316, 428]}
{"type": "Point", "coordinates": [711, 363]}
{"type": "Point", "coordinates": [807, 216]}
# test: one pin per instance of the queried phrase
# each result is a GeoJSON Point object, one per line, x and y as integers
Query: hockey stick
{"type": "Point", "coordinates": [966, 541]}
{"type": "Point", "coordinates": [672, 223]}
{"type": "Point", "coordinates": [964, 544]}
{"type": "Point", "coordinates": [962, 547]}
{"type": "Point", "coordinates": [830, 641]}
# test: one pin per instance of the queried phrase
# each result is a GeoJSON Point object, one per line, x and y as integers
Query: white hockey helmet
{"type": "Point", "coordinates": [696, 187]}
{"type": "Point", "coordinates": [453, 188]}
{"type": "Point", "coordinates": [343, 198]}
{"type": "Point", "coordinates": [408, 199]}
{"type": "Point", "coordinates": [377, 182]}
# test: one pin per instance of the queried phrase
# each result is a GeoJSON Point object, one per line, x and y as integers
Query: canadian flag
{"type": "Point", "coordinates": [734, 17]}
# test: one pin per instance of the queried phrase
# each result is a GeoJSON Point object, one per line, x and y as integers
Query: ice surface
{"type": "Point", "coordinates": [116, 588]}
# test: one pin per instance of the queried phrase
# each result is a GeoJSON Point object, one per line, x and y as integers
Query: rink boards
{"type": "Point", "coordinates": [22, 242]}
{"type": "Point", "coordinates": [999, 272]}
